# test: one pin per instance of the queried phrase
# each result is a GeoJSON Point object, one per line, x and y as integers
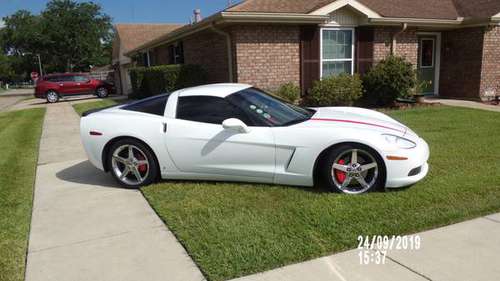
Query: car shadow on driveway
{"type": "Point", "coordinates": [85, 173]}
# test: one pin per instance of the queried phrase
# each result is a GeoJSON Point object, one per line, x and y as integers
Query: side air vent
{"type": "Point", "coordinates": [415, 171]}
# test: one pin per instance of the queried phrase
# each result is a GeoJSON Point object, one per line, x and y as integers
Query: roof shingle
{"type": "Point", "coordinates": [428, 9]}
{"type": "Point", "coordinates": [133, 35]}
{"type": "Point", "coordinates": [477, 8]}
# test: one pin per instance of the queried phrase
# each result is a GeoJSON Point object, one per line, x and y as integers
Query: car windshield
{"type": "Point", "coordinates": [267, 110]}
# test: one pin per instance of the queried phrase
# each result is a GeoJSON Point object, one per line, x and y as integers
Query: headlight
{"type": "Point", "coordinates": [399, 141]}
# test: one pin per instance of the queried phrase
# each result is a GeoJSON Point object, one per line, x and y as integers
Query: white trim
{"type": "Point", "coordinates": [434, 49]}
{"type": "Point", "coordinates": [342, 3]}
{"type": "Point", "coordinates": [148, 59]}
{"type": "Point", "coordinates": [418, 21]}
{"type": "Point", "coordinates": [321, 60]}
{"type": "Point", "coordinates": [437, 59]}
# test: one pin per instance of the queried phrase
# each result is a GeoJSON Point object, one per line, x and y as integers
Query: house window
{"type": "Point", "coordinates": [176, 53]}
{"type": "Point", "coordinates": [337, 51]}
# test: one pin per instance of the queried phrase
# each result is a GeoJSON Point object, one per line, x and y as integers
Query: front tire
{"type": "Point", "coordinates": [353, 169]}
{"type": "Point", "coordinates": [102, 92]}
{"type": "Point", "coordinates": [132, 163]}
{"type": "Point", "coordinates": [52, 96]}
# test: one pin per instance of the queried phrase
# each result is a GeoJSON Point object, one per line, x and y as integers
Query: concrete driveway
{"type": "Point", "coordinates": [86, 228]}
{"type": "Point", "coordinates": [12, 97]}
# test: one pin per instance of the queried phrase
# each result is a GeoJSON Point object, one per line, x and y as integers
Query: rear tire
{"type": "Point", "coordinates": [353, 169]}
{"type": "Point", "coordinates": [52, 96]}
{"type": "Point", "coordinates": [102, 92]}
{"type": "Point", "coordinates": [132, 163]}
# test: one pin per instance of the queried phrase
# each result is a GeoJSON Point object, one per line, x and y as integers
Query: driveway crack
{"type": "Point", "coordinates": [409, 268]}
{"type": "Point", "coordinates": [491, 219]}
{"type": "Point", "coordinates": [93, 239]}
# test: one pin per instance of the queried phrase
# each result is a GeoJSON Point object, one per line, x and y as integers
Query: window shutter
{"type": "Point", "coordinates": [309, 57]}
{"type": "Point", "coordinates": [171, 54]}
{"type": "Point", "coordinates": [364, 49]}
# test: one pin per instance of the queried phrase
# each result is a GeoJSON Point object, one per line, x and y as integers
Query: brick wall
{"type": "Point", "coordinates": [209, 50]}
{"type": "Point", "coordinates": [461, 56]}
{"type": "Point", "coordinates": [490, 70]}
{"type": "Point", "coordinates": [267, 56]}
{"type": "Point", "coordinates": [159, 55]}
{"type": "Point", "coordinates": [406, 44]}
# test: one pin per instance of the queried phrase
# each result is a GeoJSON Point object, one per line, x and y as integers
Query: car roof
{"type": "Point", "coordinates": [64, 74]}
{"type": "Point", "coordinates": [220, 90]}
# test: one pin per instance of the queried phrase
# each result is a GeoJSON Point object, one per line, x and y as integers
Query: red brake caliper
{"type": "Point", "coordinates": [339, 174]}
{"type": "Point", "coordinates": [142, 168]}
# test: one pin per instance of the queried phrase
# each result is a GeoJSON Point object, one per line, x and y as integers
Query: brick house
{"type": "Point", "coordinates": [453, 44]}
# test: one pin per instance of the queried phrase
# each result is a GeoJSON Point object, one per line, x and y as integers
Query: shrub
{"type": "Point", "coordinates": [150, 81]}
{"type": "Point", "coordinates": [341, 90]}
{"type": "Point", "coordinates": [289, 92]}
{"type": "Point", "coordinates": [390, 79]}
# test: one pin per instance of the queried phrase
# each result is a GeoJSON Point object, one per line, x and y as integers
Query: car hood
{"type": "Point", "coordinates": [358, 118]}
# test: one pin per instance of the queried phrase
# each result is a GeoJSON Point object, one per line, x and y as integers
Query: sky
{"type": "Point", "coordinates": [131, 11]}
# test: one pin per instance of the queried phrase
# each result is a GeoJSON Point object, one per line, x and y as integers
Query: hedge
{"type": "Point", "coordinates": [391, 78]}
{"type": "Point", "coordinates": [150, 81]}
{"type": "Point", "coordinates": [338, 90]}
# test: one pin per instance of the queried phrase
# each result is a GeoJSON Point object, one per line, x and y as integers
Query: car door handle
{"type": "Point", "coordinates": [61, 84]}
{"type": "Point", "coordinates": [78, 84]}
{"type": "Point", "coordinates": [165, 127]}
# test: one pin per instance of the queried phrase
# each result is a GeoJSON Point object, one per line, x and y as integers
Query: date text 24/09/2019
{"type": "Point", "coordinates": [373, 249]}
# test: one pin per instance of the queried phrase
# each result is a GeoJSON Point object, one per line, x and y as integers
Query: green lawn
{"type": "Point", "coordinates": [237, 229]}
{"type": "Point", "coordinates": [82, 107]}
{"type": "Point", "coordinates": [19, 136]}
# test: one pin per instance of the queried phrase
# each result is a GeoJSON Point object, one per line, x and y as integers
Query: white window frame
{"type": "Point", "coordinates": [433, 52]}
{"type": "Point", "coordinates": [334, 60]}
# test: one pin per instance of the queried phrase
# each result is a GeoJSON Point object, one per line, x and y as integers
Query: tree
{"type": "Point", "coordinates": [21, 33]}
{"type": "Point", "coordinates": [6, 71]}
{"type": "Point", "coordinates": [68, 35]}
{"type": "Point", "coordinates": [77, 32]}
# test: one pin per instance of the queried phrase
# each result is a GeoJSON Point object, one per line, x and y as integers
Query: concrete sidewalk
{"type": "Point", "coordinates": [465, 251]}
{"type": "Point", "coordinates": [84, 227]}
{"type": "Point", "coordinates": [464, 103]}
{"type": "Point", "coordinates": [18, 92]}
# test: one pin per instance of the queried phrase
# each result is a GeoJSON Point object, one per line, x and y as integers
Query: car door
{"type": "Point", "coordinates": [198, 143]}
{"type": "Point", "coordinates": [67, 85]}
{"type": "Point", "coordinates": [83, 85]}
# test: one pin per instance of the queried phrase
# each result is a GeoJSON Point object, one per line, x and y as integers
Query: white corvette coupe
{"type": "Point", "coordinates": [234, 132]}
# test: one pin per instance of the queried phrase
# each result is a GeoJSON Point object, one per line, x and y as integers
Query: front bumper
{"type": "Point", "coordinates": [399, 171]}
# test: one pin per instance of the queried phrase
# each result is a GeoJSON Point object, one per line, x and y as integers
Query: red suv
{"type": "Point", "coordinates": [54, 86]}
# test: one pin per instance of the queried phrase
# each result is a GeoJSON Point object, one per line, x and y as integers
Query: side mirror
{"type": "Point", "coordinates": [236, 125]}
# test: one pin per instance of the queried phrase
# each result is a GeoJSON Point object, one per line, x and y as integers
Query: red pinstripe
{"type": "Point", "coordinates": [356, 122]}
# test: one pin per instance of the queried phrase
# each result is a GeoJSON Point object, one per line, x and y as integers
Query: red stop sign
{"type": "Point", "coordinates": [34, 75]}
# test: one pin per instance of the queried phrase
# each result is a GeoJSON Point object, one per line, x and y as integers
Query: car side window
{"type": "Point", "coordinates": [208, 109]}
{"type": "Point", "coordinates": [80, 78]}
{"type": "Point", "coordinates": [53, 78]}
{"type": "Point", "coordinates": [155, 105]}
{"type": "Point", "coordinates": [66, 78]}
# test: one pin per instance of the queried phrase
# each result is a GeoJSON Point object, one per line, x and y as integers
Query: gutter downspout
{"type": "Point", "coordinates": [393, 45]}
{"type": "Point", "coordinates": [229, 50]}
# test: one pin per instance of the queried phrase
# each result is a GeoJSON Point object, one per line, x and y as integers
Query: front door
{"type": "Point", "coordinates": [427, 64]}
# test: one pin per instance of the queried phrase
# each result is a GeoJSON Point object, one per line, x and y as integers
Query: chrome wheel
{"type": "Point", "coordinates": [130, 164]}
{"type": "Point", "coordinates": [354, 171]}
{"type": "Point", "coordinates": [52, 97]}
{"type": "Point", "coordinates": [102, 92]}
